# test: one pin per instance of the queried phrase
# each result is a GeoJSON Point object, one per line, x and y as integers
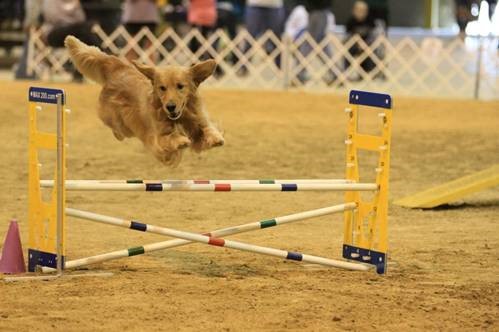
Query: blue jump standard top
{"type": "Point", "coordinates": [370, 99]}
{"type": "Point", "coordinates": [46, 95]}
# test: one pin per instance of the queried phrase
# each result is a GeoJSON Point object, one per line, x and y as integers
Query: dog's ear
{"type": "Point", "coordinates": [147, 71]}
{"type": "Point", "coordinates": [201, 71]}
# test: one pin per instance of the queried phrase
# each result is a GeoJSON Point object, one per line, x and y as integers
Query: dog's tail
{"type": "Point", "coordinates": [89, 60]}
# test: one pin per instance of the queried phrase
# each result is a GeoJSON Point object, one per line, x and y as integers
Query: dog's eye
{"type": "Point", "coordinates": [180, 86]}
{"type": "Point", "coordinates": [162, 88]}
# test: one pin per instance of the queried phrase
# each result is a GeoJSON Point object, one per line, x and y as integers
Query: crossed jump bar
{"type": "Point", "coordinates": [212, 238]}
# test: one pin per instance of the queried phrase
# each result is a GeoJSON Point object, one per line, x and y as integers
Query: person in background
{"type": "Point", "coordinates": [65, 17]}
{"type": "Point", "coordinates": [492, 7]}
{"type": "Point", "coordinates": [228, 13]}
{"type": "Point", "coordinates": [360, 24]}
{"type": "Point", "coordinates": [136, 15]}
{"type": "Point", "coordinates": [463, 9]}
{"type": "Point", "coordinates": [106, 13]}
{"type": "Point", "coordinates": [174, 13]}
{"type": "Point", "coordinates": [202, 15]}
{"type": "Point", "coordinates": [11, 14]}
{"type": "Point", "coordinates": [320, 18]}
{"type": "Point", "coordinates": [62, 18]}
{"type": "Point", "coordinates": [228, 16]}
{"type": "Point", "coordinates": [289, 6]}
{"type": "Point", "coordinates": [261, 16]}
{"type": "Point", "coordinates": [296, 23]}
{"type": "Point", "coordinates": [31, 19]}
{"type": "Point", "coordinates": [463, 16]}
{"type": "Point", "coordinates": [320, 22]}
{"type": "Point", "coordinates": [379, 11]}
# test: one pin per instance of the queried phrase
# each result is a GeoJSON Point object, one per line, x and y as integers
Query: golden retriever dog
{"type": "Point", "coordinates": [159, 106]}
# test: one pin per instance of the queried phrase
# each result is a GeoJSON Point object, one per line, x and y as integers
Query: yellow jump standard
{"type": "Point", "coordinates": [46, 218]}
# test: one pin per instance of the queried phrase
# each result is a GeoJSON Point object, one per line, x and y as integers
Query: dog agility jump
{"type": "Point", "coordinates": [365, 241]}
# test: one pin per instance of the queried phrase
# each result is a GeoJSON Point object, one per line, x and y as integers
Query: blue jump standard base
{"type": "Point", "coordinates": [375, 257]}
{"type": "Point", "coordinates": [41, 258]}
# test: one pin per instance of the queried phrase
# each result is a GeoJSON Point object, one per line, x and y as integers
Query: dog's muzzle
{"type": "Point", "coordinates": [172, 113]}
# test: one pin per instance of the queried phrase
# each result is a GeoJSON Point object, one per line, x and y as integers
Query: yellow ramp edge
{"type": "Point", "coordinates": [453, 190]}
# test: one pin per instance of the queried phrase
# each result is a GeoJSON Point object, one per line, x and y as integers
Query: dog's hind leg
{"type": "Point", "coordinates": [114, 121]}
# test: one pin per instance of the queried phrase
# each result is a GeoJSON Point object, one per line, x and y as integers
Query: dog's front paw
{"type": "Point", "coordinates": [181, 142]}
{"type": "Point", "coordinates": [119, 136]}
{"type": "Point", "coordinates": [212, 138]}
{"type": "Point", "coordinates": [172, 143]}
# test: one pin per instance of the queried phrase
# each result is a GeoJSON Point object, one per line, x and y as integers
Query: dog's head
{"type": "Point", "coordinates": [174, 85]}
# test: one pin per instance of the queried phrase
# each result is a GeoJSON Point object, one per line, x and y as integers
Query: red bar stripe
{"type": "Point", "coordinates": [216, 242]}
{"type": "Point", "coordinates": [222, 187]}
{"type": "Point", "coordinates": [201, 181]}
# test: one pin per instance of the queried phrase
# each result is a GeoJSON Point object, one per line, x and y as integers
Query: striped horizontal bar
{"type": "Point", "coordinates": [219, 187]}
{"type": "Point", "coordinates": [210, 240]}
{"type": "Point", "coordinates": [49, 183]}
{"type": "Point", "coordinates": [282, 220]}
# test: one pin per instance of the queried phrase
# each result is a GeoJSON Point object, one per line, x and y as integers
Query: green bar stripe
{"type": "Point", "coordinates": [268, 223]}
{"type": "Point", "coordinates": [135, 251]}
{"type": "Point", "coordinates": [266, 181]}
{"type": "Point", "coordinates": [134, 181]}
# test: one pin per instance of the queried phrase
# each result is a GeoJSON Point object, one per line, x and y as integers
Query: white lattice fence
{"type": "Point", "coordinates": [432, 67]}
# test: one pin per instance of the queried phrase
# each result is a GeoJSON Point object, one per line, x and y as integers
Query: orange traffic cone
{"type": "Point", "coordinates": [12, 259]}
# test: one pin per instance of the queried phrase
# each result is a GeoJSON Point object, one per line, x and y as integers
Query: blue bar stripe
{"type": "Point", "coordinates": [289, 187]}
{"type": "Point", "coordinates": [154, 187]}
{"type": "Point", "coordinates": [295, 256]}
{"type": "Point", "coordinates": [135, 181]}
{"type": "Point", "coordinates": [138, 226]}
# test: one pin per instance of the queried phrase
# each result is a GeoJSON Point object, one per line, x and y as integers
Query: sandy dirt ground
{"type": "Point", "coordinates": [443, 270]}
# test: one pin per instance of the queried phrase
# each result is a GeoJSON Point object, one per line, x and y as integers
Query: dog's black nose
{"type": "Point", "coordinates": [171, 107]}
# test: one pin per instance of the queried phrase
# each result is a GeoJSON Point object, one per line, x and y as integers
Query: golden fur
{"type": "Point", "coordinates": [159, 106]}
